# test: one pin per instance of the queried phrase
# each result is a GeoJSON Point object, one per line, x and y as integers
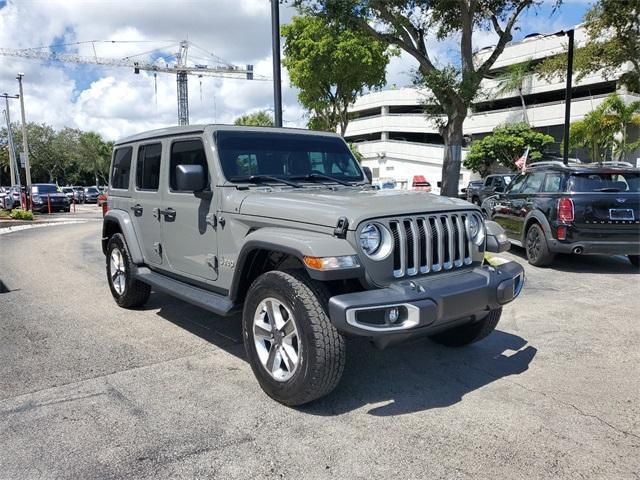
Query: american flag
{"type": "Point", "coordinates": [521, 163]}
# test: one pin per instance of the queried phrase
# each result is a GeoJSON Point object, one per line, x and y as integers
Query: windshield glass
{"type": "Point", "coordinates": [605, 182]}
{"type": "Point", "coordinates": [285, 155]}
{"type": "Point", "coordinates": [92, 190]}
{"type": "Point", "coordinates": [45, 189]}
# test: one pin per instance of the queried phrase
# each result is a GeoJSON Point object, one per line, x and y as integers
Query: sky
{"type": "Point", "coordinates": [115, 102]}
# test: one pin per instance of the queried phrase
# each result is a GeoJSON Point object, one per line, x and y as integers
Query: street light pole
{"type": "Point", "coordinates": [25, 144]}
{"type": "Point", "coordinates": [14, 168]}
{"type": "Point", "coordinates": [275, 47]}
{"type": "Point", "coordinates": [567, 98]}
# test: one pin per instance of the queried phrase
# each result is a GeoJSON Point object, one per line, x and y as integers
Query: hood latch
{"type": "Point", "coordinates": [341, 228]}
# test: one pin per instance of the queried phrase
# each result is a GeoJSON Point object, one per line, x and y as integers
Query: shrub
{"type": "Point", "coordinates": [4, 213]}
{"type": "Point", "coordinates": [18, 214]}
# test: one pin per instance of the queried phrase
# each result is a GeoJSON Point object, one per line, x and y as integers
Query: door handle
{"type": "Point", "coordinates": [137, 209]}
{"type": "Point", "coordinates": [168, 213]}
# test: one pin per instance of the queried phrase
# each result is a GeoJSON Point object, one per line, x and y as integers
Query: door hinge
{"type": "Point", "coordinates": [157, 247]}
{"type": "Point", "coordinates": [212, 219]}
{"type": "Point", "coordinates": [341, 227]}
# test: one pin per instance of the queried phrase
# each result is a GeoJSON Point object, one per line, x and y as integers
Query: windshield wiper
{"type": "Point", "coordinates": [265, 178]}
{"type": "Point", "coordinates": [314, 175]}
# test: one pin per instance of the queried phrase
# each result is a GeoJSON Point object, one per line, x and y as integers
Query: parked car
{"type": "Point", "coordinates": [48, 195]}
{"type": "Point", "coordinates": [80, 192]}
{"type": "Point", "coordinates": [579, 209]}
{"type": "Point", "coordinates": [72, 194]}
{"type": "Point", "coordinates": [420, 183]}
{"type": "Point", "coordinates": [91, 195]}
{"type": "Point", "coordinates": [472, 187]}
{"type": "Point", "coordinates": [283, 225]}
{"type": "Point", "coordinates": [6, 198]}
{"type": "Point", "coordinates": [493, 184]}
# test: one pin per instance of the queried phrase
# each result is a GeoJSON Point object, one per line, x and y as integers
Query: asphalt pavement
{"type": "Point", "coordinates": [89, 390]}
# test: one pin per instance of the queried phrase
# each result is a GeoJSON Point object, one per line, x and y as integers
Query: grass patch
{"type": "Point", "coordinates": [4, 213]}
{"type": "Point", "coordinates": [18, 214]}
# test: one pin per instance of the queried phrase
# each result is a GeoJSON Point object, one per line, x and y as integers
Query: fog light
{"type": "Point", "coordinates": [394, 314]}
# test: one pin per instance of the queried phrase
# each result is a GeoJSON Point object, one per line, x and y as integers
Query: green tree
{"type": "Point", "coordinates": [331, 64]}
{"type": "Point", "coordinates": [606, 129]}
{"type": "Point", "coordinates": [260, 118]}
{"type": "Point", "coordinates": [504, 146]}
{"type": "Point", "coordinates": [412, 25]}
{"type": "Point", "coordinates": [95, 156]}
{"type": "Point", "coordinates": [613, 34]}
{"type": "Point", "coordinates": [513, 79]}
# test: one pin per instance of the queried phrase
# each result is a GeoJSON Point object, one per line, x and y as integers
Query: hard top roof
{"type": "Point", "coordinates": [191, 129]}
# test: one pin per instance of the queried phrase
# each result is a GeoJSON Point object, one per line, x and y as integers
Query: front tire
{"type": "Point", "coordinates": [127, 291]}
{"type": "Point", "coordinates": [470, 332]}
{"type": "Point", "coordinates": [536, 246]}
{"type": "Point", "coordinates": [294, 351]}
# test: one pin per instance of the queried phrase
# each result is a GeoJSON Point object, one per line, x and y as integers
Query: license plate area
{"type": "Point", "coordinates": [621, 214]}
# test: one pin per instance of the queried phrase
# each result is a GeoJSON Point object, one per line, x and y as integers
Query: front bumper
{"type": "Point", "coordinates": [429, 304]}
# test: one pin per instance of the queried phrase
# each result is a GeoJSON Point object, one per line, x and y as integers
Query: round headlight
{"type": "Point", "coordinates": [476, 229]}
{"type": "Point", "coordinates": [370, 239]}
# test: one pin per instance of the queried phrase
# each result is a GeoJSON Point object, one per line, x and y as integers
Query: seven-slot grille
{"type": "Point", "coordinates": [430, 243]}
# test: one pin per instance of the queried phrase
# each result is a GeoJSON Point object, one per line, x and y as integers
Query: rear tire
{"type": "Point", "coordinates": [536, 246]}
{"type": "Point", "coordinates": [299, 363]}
{"type": "Point", "coordinates": [476, 201]}
{"type": "Point", "coordinates": [635, 260]}
{"type": "Point", "coordinates": [470, 332]}
{"type": "Point", "coordinates": [127, 291]}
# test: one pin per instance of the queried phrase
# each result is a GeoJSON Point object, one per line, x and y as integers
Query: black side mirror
{"type": "Point", "coordinates": [190, 178]}
{"type": "Point", "coordinates": [368, 173]}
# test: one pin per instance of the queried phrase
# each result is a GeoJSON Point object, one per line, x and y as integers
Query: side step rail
{"type": "Point", "coordinates": [213, 302]}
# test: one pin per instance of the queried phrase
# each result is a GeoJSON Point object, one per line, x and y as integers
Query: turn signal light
{"type": "Point", "coordinates": [565, 210]}
{"type": "Point", "coordinates": [331, 263]}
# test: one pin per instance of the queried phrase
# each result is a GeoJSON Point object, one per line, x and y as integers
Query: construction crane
{"type": "Point", "coordinates": [179, 66]}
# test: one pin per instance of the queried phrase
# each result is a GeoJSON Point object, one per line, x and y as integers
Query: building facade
{"type": "Point", "coordinates": [398, 141]}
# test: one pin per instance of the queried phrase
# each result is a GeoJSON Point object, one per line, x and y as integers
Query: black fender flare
{"type": "Point", "coordinates": [539, 217]}
{"type": "Point", "coordinates": [125, 225]}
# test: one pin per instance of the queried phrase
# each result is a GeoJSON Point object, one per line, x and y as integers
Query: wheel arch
{"type": "Point", "coordinates": [539, 218]}
{"type": "Point", "coordinates": [119, 221]}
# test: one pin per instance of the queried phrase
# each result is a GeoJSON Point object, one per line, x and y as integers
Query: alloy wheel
{"type": "Point", "coordinates": [276, 339]}
{"type": "Point", "coordinates": [534, 246]}
{"type": "Point", "coordinates": [117, 270]}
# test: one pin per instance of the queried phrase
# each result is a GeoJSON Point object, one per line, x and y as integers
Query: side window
{"type": "Point", "coordinates": [121, 168]}
{"type": "Point", "coordinates": [533, 183]}
{"type": "Point", "coordinates": [186, 152]}
{"type": "Point", "coordinates": [553, 182]}
{"type": "Point", "coordinates": [488, 182]}
{"type": "Point", "coordinates": [516, 184]}
{"type": "Point", "coordinates": [148, 166]}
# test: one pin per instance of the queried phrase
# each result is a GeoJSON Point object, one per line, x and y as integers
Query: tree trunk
{"type": "Point", "coordinates": [453, 139]}
{"type": "Point", "coordinates": [525, 117]}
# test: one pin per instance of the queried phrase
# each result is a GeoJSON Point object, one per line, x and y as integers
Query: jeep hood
{"type": "Point", "coordinates": [324, 206]}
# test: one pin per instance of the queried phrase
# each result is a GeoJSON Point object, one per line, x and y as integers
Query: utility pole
{"type": "Point", "coordinates": [567, 97]}
{"type": "Point", "coordinates": [14, 168]}
{"type": "Point", "coordinates": [25, 144]}
{"type": "Point", "coordinates": [275, 47]}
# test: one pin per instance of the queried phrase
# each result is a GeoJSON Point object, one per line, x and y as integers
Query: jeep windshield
{"type": "Point", "coordinates": [285, 157]}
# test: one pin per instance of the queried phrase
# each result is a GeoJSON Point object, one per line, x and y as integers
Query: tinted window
{"type": "Point", "coordinates": [148, 166]}
{"type": "Point", "coordinates": [515, 185]}
{"type": "Point", "coordinates": [121, 168]}
{"type": "Point", "coordinates": [605, 182]}
{"type": "Point", "coordinates": [186, 152]}
{"type": "Point", "coordinates": [553, 182]}
{"type": "Point", "coordinates": [533, 183]}
{"type": "Point", "coordinates": [284, 155]}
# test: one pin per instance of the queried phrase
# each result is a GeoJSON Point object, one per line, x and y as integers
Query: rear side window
{"type": "Point", "coordinates": [533, 183]}
{"type": "Point", "coordinates": [148, 166]}
{"type": "Point", "coordinates": [186, 152]}
{"type": "Point", "coordinates": [553, 183]}
{"type": "Point", "coordinates": [121, 168]}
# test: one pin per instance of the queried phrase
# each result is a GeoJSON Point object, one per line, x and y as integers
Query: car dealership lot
{"type": "Point", "coordinates": [88, 390]}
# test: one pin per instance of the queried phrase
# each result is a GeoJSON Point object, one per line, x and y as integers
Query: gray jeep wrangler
{"type": "Point", "coordinates": [285, 225]}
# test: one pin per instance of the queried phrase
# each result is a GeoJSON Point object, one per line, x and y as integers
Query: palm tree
{"type": "Point", "coordinates": [606, 128]}
{"type": "Point", "coordinates": [621, 116]}
{"type": "Point", "coordinates": [513, 79]}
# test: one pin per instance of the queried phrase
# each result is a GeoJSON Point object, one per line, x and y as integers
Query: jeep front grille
{"type": "Point", "coordinates": [430, 243]}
